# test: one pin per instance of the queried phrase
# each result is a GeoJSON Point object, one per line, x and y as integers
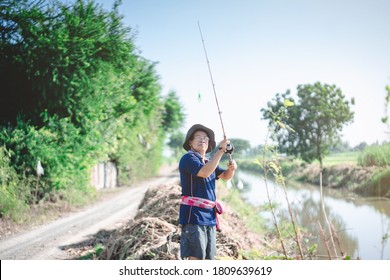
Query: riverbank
{"type": "Point", "coordinates": [365, 181]}
{"type": "Point", "coordinates": [359, 224]}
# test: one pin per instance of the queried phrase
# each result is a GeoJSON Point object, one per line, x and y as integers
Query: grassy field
{"type": "Point", "coordinates": [330, 160]}
{"type": "Point", "coordinates": [341, 158]}
{"type": "Point", "coordinates": [376, 155]}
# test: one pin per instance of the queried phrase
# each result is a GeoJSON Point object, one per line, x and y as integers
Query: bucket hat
{"type": "Point", "coordinates": [208, 131]}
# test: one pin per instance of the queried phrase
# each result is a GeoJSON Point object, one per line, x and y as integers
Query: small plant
{"type": "Point", "coordinates": [94, 254]}
{"type": "Point", "coordinates": [251, 255]}
{"type": "Point", "coordinates": [272, 166]}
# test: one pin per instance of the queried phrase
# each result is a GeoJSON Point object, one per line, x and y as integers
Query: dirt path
{"type": "Point", "coordinates": [45, 242]}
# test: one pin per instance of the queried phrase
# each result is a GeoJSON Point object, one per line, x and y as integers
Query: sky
{"type": "Point", "coordinates": [257, 48]}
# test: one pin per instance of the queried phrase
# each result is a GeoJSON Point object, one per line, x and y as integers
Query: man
{"type": "Point", "coordinates": [198, 209]}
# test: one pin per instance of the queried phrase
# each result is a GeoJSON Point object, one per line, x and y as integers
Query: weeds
{"type": "Point", "coordinates": [273, 167]}
{"type": "Point", "coordinates": [13, 192]}
{"type": "Point", "coordinates": [377, 155]}
{"type": "Point", "coordinates": [380, 184]}
{"type": "Point", "coordinates": [331, 230]}
{"type": "Point", "coordinates": [94, 255]}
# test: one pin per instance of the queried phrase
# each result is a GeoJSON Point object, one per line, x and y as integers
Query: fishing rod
{"type": "Point", "coordinates": [229, 147]}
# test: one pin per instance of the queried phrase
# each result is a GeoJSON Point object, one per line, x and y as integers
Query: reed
{"type": "Point", "coordinates": [376, 155]}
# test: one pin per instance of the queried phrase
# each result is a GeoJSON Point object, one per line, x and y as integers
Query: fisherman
{"type": "Point", "coordinates": [199, 208]}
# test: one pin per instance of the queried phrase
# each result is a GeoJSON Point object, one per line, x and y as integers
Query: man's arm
{"type": "Point", "coordinates": [210, 166]}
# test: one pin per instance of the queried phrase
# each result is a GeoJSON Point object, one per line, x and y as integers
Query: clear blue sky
{"type": "Point", "coordinates": [258, 48]}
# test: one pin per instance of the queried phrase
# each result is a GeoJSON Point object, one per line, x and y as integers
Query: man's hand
{"type": "Point", "coordinates": [232, 165]}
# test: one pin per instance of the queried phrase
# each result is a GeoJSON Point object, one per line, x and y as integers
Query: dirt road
{"type": "Point", "coordinates": [44, 243]}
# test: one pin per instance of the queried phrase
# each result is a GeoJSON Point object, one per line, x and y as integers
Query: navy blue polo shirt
{"type": "Point", "coordinates": [192, 185]}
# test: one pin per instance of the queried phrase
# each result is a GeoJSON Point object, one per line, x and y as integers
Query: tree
{"type": "Point", "coordinates": [176, 143]}
{"type": "Point", "coordinates": [240, 145]}
{"type": "Point", "coordinates": [54, 55]}
{"type": "Point", "coordinates": [19, 21]}
{"type": "Point", "coordinates": [341, 147]}
{"type": "Point", "coordinates": [360, 147]}
{"type": "Point", "coordinates": [315, 120]}
{"type": "Point", "coordinates": [173, 116]}
{"type": "Point", "coordinates": [254, 151]}
{"type": "Point", "coordinates": [75, 91]}
{"type": "Point", "coordinates": [385, 119]}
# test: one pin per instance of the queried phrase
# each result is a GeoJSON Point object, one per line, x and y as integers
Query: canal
{"type": "Point", "coordinates": [362, 223]}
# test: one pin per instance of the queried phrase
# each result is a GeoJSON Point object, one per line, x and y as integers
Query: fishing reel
{"type": "Point", "coordinates": [229, 151]}
{"type": "Point", "coordinates": [229, 148]}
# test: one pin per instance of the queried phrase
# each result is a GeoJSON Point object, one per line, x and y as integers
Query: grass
{"type": "Point", "coordinates": [371, 156]}
{"type": "Point", "coordinates": [341, 158]}
{"type": "Point", "coordinates": [330, 160]}
{"type": "Point", "coordinates": [376, 155]}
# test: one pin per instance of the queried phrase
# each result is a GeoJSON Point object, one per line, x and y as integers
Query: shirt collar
{"type": "Point", "coordinates": [205, 159]}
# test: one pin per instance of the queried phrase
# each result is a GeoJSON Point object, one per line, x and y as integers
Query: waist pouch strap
{"type": "Point", "coordinates": [204, 203]}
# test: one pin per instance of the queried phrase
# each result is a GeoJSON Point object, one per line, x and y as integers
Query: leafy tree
{"type": "Point", "coordinates": [173, 117]}
{"type": "Point", "coordinates": [385, 119]}
{"type": "Point", "coordinates": [340, 147]}
{"type": "Point", "coordinates": [315, 121]}
{"type": "Point", "coordinates": [241, 146]}
{"type": "Point", "coordinates": [176, 143]}
{"type": "Point", "coordinates": [360, 147]}
{"type": "Point", "coordinates": [17, 19]}
{"type": "Point", "coordinates": [75, 92]}
{"type": "Point", "coordinates": [53, 55]}
{"type": "Point", "coordinates": [254, 151]}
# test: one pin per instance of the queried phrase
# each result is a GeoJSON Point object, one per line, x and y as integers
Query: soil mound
{"type": "Point", "coordinates": [336, 176]}
{"type": "Point", "coordinates": [154, 233]}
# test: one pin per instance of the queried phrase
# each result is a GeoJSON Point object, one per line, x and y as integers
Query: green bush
{"type": "Point", "coordinates": [380, 184]}
{"type": "Point", "coordinates": [76, 93]}
{"type": "Point", "coordinates": [14, 195]}
{"type": "Point", "coordinates": [60, 149]}
{"type": "Point", "coordinates": [377, 155]}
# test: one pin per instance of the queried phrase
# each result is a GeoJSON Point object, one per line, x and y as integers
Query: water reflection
{"type": "Point", "coordinates": [362, 224]}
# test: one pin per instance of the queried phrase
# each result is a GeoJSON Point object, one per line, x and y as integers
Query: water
{"type": "Point", "coordinates": [362, 224]}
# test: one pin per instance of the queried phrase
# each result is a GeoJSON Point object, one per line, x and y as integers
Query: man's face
{"type": "Point", "coordinates": [200, 142]}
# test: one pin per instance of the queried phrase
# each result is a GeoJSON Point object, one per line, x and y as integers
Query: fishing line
{"type": "Point", "coordinates": [229, 147]}
{"type": "Point", "coordinates": [212, 81]}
